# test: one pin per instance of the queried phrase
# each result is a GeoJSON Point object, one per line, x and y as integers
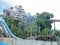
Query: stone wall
{"type": "Point", "coordinates": [33, 42]}
{"type": "Point", "coordinates": [13, 41]}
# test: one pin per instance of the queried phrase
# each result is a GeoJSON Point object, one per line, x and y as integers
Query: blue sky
{"type": "Point", "coordinates": [33, 6]}
{"type": "Point", "coordinates": [4, 4]}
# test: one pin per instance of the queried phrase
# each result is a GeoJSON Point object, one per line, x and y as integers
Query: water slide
{"type": "Point", "coordinates": [7, 28]}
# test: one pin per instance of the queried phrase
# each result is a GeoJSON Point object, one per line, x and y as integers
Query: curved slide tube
{"type": "Point", "coordinates": [7, 29]}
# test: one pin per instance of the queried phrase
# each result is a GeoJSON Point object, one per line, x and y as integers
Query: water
{"type": "Point", "coordinates": [4, 43]}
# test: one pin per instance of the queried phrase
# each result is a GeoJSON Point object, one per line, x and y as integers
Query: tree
{"type": "Point", "coordinates": [43, 20]}
{"type": "Point", "coordinates": [46, 32]}
{"type": "Point", "coordinates": [31, 29]}
{"type": "Point", "coordinates": [14, 25]}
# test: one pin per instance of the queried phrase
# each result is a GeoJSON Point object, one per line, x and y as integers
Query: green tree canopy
{"type": "Point", "coordinates": [43, 20]}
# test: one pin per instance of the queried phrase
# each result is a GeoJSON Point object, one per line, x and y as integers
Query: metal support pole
{"type": "Point", "coordinates": [54, 25]}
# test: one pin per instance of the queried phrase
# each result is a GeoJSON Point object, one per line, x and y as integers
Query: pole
{"type": "Point", "coordinates": [54, 25]}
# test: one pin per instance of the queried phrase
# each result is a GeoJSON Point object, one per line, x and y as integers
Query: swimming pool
{"type": "Point", "coordinates": [4, 43]}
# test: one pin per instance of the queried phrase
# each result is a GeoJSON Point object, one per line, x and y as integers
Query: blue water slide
{"type": "Point", "coordinates": [7, 29]}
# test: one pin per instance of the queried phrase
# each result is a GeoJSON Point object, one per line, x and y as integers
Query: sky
{"type": "Point", "coordinates": [34, 6]}
{"type": "Point", "coordinates": [4, 4]}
